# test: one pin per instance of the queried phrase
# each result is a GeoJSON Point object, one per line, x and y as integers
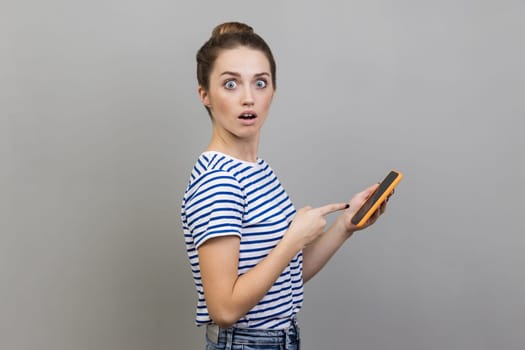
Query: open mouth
{"type": "Point", "coordinates": [247, 116]}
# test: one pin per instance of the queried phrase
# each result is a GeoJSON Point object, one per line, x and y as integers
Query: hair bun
{"type": "Point", "coordinates": [231, 27]}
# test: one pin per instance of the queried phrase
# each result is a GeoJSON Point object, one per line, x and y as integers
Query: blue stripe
{"type": "Point", "coordinates": [225, 164]}
{"type": "Point", "coordinates": [285, 311]}
{"type": "Point", "coordinates": [209, 174]}
{"type": "Point", "coordinates": [213, 179]}
{"type": "Point", "coordinates": [252, 250]}
{"type": "Point", "coordinates": [207, 213]}
{"type": "Point", "coordinates": [233, 167]}
{"type": "Point", "coordinates": [263, 240]}
{"type": "Point", "coordinates": [241, 171]}
{"type": "Point", "coordinates": [212, 195]}
{"type": "Point", "coordinates": [270, 308]}
{"type": "Point", "coordinates": [203, 235]}
{"type": "Point", "coordinates": [210, 162]}
{"type": "Point", "coordinates": [280, 296]}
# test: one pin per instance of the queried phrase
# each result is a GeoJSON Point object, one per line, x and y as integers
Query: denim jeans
{"type": "Point", "coordinates": [252, 339]}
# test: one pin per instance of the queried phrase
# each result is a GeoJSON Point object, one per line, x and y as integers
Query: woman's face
{"type": "Point", "coordinates": [240, 92]}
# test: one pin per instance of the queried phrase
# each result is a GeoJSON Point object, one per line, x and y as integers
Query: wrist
{"type": "Point", "coordinates": [343, 227]}
{"type": "Point", "coordinates": [290, 244]}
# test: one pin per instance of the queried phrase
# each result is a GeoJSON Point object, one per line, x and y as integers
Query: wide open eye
{"type": "Point", "coordinates": [230, 84]}
{"type": "Point", "coordinates": [261, 83]}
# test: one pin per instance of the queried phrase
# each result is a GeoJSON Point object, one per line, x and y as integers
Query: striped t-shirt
{"type": "Point", "coordinates": [227, 196]}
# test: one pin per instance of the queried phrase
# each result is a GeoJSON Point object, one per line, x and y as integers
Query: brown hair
{"type": "Point", "coordinates": [229, 35]}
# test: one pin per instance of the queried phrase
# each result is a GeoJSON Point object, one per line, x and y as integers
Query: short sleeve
{"type": "Point", "coordinates": [214, 207]}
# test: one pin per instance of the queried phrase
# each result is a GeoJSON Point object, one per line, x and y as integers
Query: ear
{"type": "Point", "coordinates": [203, 94]}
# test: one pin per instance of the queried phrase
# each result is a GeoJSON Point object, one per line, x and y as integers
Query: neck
{"type": "Point", "coordinates": [243, 149]}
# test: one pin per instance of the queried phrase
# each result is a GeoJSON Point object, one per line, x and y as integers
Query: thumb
{"type": "Point", "coordinates": [368, 192]}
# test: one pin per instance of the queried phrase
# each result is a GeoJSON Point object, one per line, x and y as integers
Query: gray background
{"type": "Point", "coordinates": [101, 124]}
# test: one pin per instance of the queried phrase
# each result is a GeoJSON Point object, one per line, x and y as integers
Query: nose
{"type": "Point", "coordinates": [247, 96]}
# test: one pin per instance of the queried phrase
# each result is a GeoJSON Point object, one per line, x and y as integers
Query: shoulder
{"type": "Point", "coordinates": [213, 173]}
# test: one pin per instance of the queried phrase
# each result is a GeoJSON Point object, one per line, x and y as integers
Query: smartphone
{"type": "Point", "coordinates": [377, 198]}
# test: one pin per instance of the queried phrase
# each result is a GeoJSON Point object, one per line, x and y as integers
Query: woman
{"type": "Point", "coordinates": [249, 249]}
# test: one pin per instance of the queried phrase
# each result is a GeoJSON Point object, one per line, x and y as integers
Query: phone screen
{"type": "Point", "coordinates": [369, 203]}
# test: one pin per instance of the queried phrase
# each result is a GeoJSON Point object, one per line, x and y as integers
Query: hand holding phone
{"type": "Point", "coordinates": [375, 200]}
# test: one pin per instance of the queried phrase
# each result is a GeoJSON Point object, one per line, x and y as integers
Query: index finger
{"type": "Point", "coordinates": [330, 208]}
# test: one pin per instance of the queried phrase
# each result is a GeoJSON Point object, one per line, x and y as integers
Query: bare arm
{"type": "Point", "coordinates": [317, 254]}
{"type": "Point", "coordinates": [229, 296]}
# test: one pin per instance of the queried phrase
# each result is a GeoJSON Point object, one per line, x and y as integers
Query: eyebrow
{"type": "Point", "coordinates": [238, 75]}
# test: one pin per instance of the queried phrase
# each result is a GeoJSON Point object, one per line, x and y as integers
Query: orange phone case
{"type": "Point", "coordinates": [377, 198]}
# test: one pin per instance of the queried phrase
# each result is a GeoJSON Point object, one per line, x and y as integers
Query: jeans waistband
{"type": "Point", "coordinates": [233, 335]}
